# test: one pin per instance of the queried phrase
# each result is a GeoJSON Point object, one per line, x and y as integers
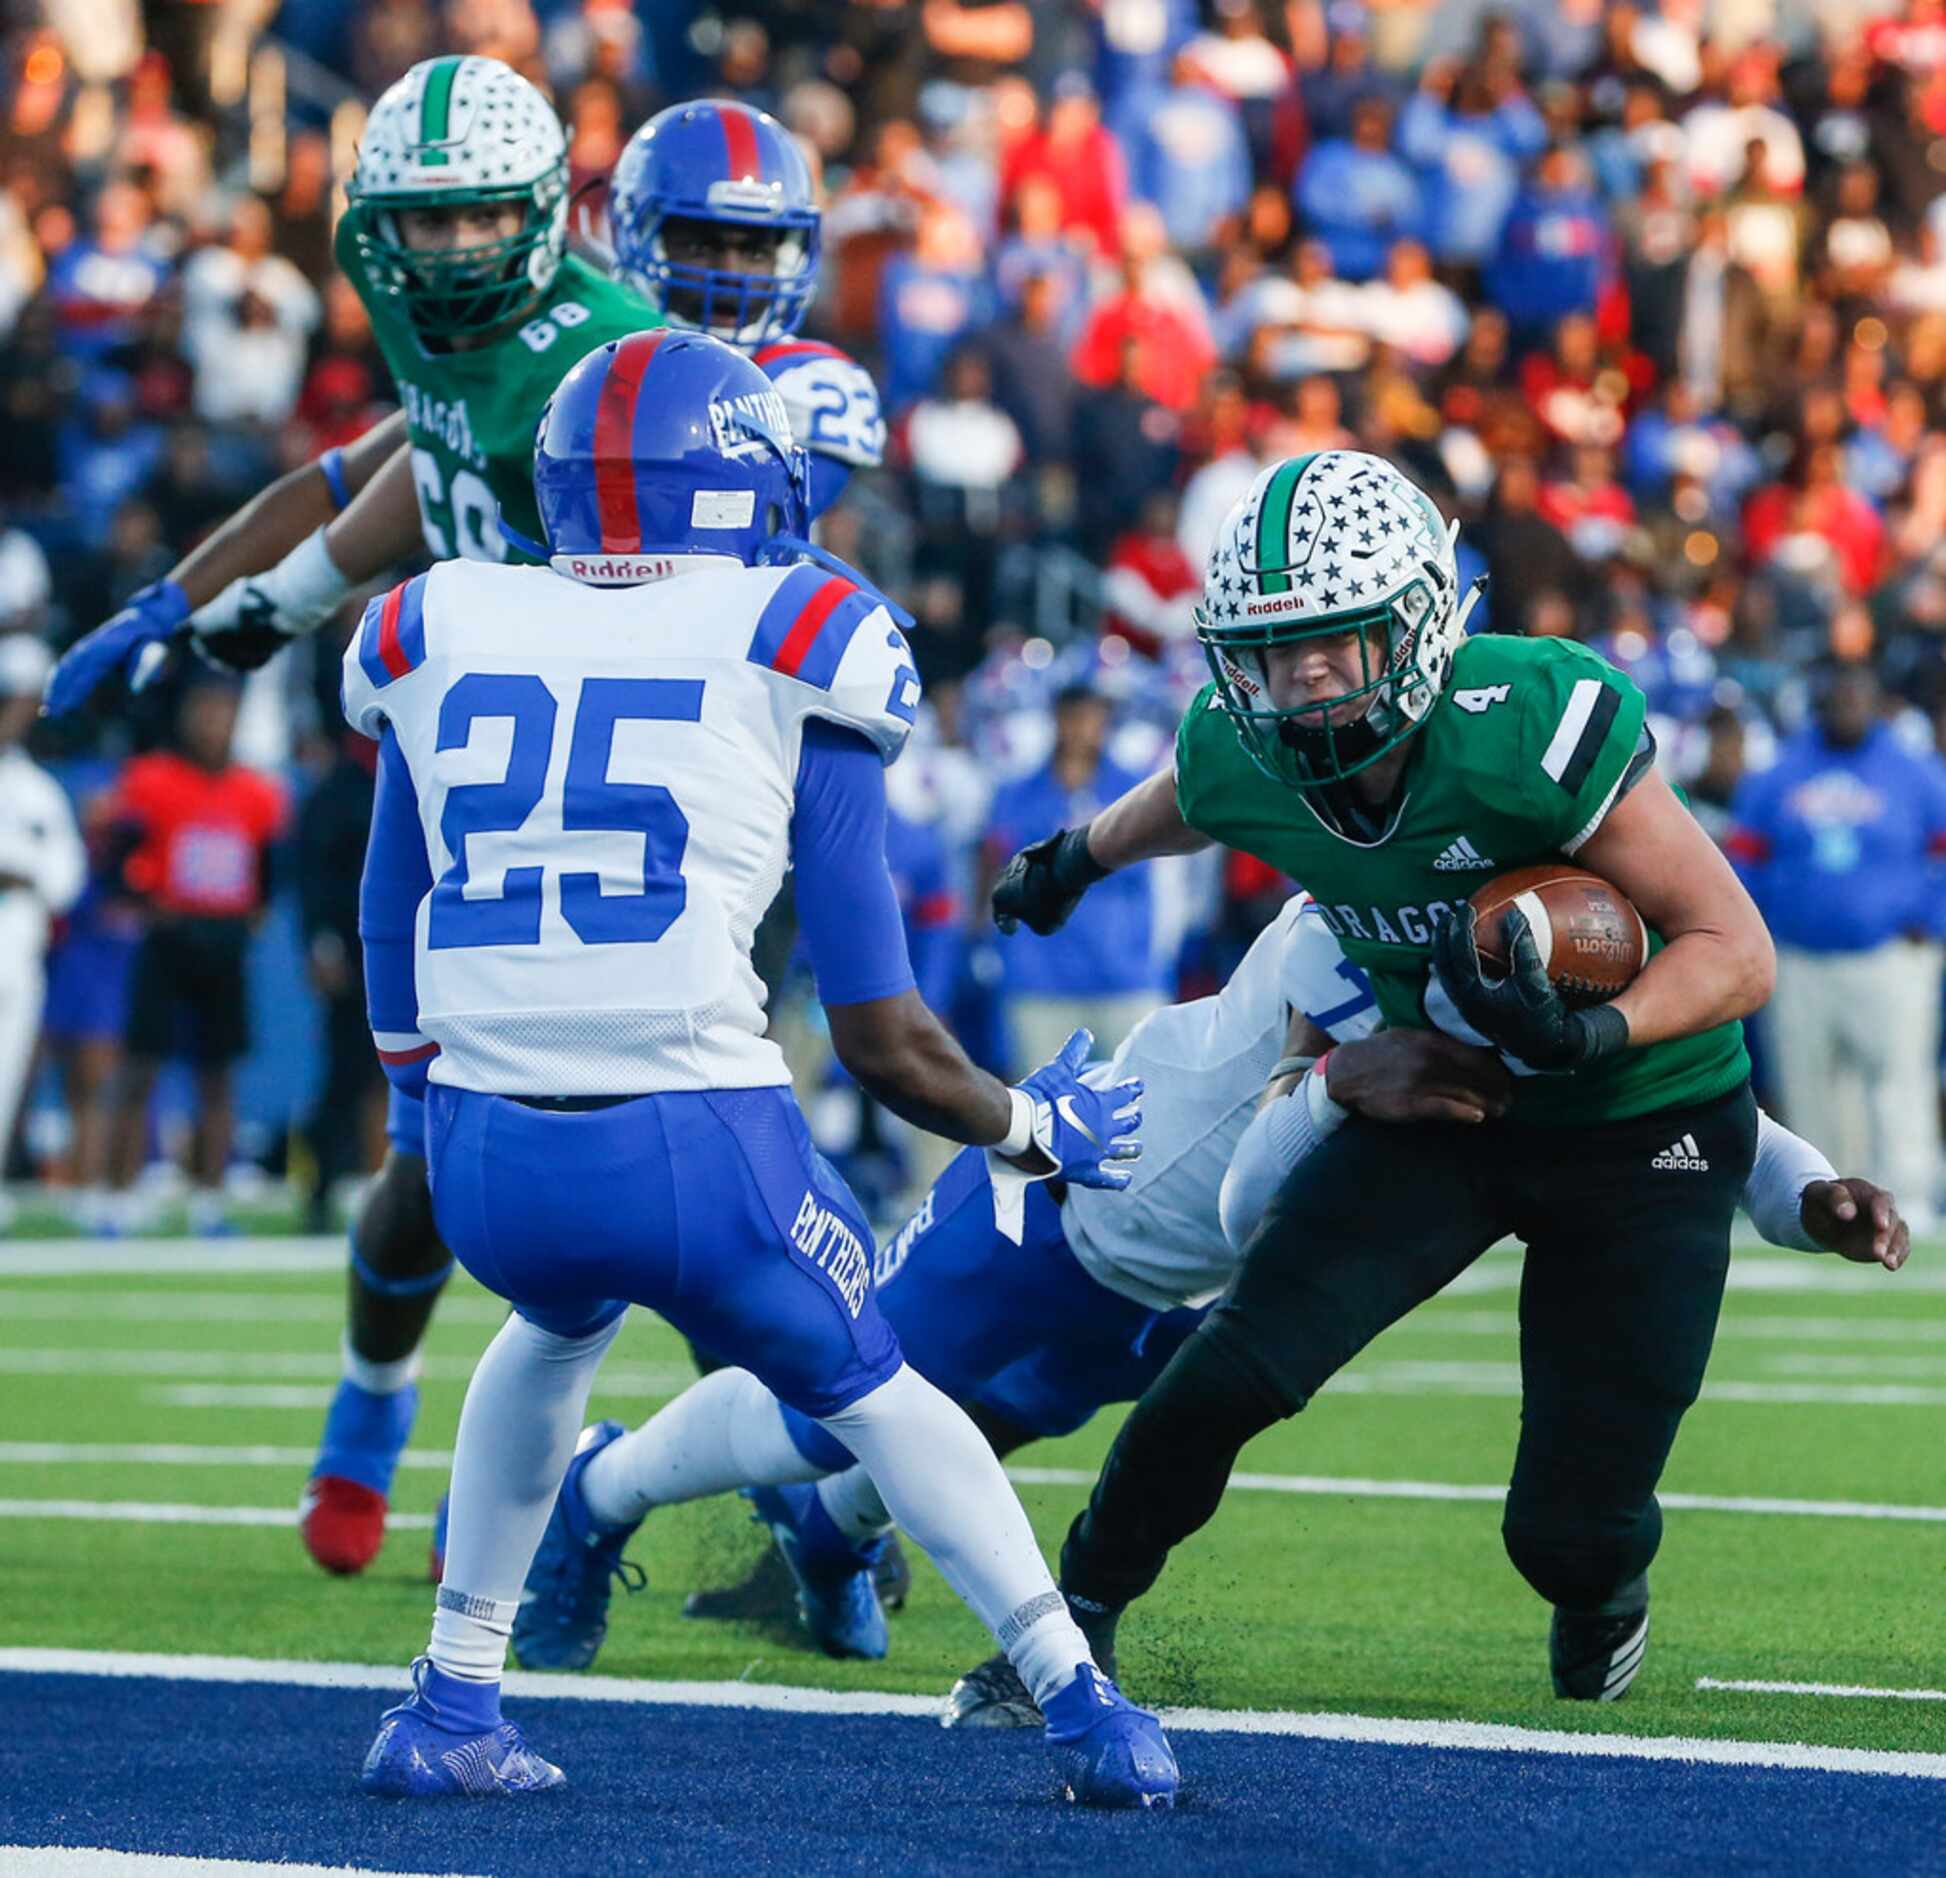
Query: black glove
{"type": "Point", "coordinates": [253, 639]}
{"type": "Point", "coordinates": [1044, 882]}
{"type": "Point", "coordinates": [1521, 1013]}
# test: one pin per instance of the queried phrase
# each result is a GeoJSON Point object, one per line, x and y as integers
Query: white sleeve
{"type": "Point", "coordinates": [1280, 1135]}
{"type": "Point", "coordinates": [1773, 1196]}
{"type": "Point", "coordinates": [1317, 979]}
{"type": "Point", "coordinates": [60, 860]}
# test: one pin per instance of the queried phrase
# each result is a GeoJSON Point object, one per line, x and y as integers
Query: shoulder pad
{"type": "Point", "coordinates": [1317, 979]}
{"type": "Point", "coordinates": [832, 647]}
{"type": "Point", "coordinates": [833, 404]}
{"type": "Point", "coordinates": [389, 643]}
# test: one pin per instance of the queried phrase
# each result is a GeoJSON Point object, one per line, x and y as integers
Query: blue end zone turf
{"type": "Point", "coordinates": [265, 1772]}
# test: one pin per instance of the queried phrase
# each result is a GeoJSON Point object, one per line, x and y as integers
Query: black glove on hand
{"type": "Point", "coordinates": [252, 640]}
{"type": "Point", "coordinates": [1521, 1013]}
{"type": "Point", "coordinates": [1044, 882]}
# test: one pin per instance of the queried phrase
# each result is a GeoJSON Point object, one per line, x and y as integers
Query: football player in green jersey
{"type": "Point", "coordinates": [455, 238]}
{"type": "Point", "coordinates": [1357, 739]}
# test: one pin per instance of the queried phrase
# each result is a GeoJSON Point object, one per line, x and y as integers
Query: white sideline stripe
{"type": "Point", "coordinates": [1796, 1272]}
{"type": "Point", "coordinates": [86, 1861]}
{"type": "Point", "coordinates": [166, 1513]}
{"type": "Point", "coordinates": [1316, 1485]}
{"type": "Point", "coordinates": [232, 1307]}
{"type": "Point", "coordinates": [623, 1379]}
{"type": "Point", "coordinates": [1329, 1486]}
{"type": "Point", "coordinates": [183, 1454]}
{"type": "Point", "coordinates": [72, 1258]}
{"type": "Point", "coordinates": [1845, 1689]}
{"type": "Point", "coordinates": [659, 1380]}
{"type": "Point", "coordinates": [1386, 1731]}
{"type": "Point", "coordinates": [1862, 1330]}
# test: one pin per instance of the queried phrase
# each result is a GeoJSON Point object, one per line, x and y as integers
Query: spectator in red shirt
{"type": "Point", "coordinates": [1174, 350]}
{"type": "Point", "coordinates": [197, 830]}
{"type": "Point", "coordinates": [1080, 156]}
{"type": "Point", "coordinates": [1815, 504]}
{"type": "Point", "coordinates": [1150, 587]}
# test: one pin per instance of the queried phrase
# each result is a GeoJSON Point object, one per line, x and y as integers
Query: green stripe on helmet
{"type": "Point", "coordinates": [435, 110]}
{"type": "Point", "coordinates": [1274, 524]}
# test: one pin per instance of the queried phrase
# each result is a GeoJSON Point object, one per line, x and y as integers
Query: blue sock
{"type": "Point", "coordinates": [364, 1434]}
{"type": "Point", "coordinates": [460, 1706]}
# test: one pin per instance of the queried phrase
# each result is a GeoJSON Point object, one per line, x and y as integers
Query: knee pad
{"type": "Point", "coordinates": [1582, 1559]}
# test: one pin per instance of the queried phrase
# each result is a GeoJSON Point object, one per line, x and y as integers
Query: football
{"type": "Point", "coordinates": [1590, 937]}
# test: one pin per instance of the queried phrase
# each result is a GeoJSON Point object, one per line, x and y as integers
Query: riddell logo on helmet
{"type": "Point", "coordinates": [1286, 604]}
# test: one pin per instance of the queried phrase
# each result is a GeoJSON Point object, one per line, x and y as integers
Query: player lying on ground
{"type": "Point", "coordinates": [1355, 738]}
{"type": "Point", "coordinates": [1032, 1325]}
{"type": "Point", "coordinates": [558, 940]}
{"type": "Point", "coordinates": [456, 244]}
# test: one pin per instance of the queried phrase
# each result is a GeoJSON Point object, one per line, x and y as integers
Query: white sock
{"type": "Point", "coordinates": [523, 1414]}
{"type": "Point", "coordinates": [944, 1486]}
{"type": "Point", "coordinates": [379, 1378]}
{"type": "Point", "coordinates": [721, 1433]}
{"type": "Point", "coordinates": [855, 1505]}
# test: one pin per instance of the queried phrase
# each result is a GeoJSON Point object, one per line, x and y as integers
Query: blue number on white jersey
{"type": "Point", "coordinates": [833, 404]}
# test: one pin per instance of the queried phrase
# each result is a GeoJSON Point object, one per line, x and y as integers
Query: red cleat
{"type": "Point", "coordinates": [342, 1522]}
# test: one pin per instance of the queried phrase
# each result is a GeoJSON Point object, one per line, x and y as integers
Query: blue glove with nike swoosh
{"type": "Point", "coordinates": [150, 618]}
{"type": "Point", "coordinates": [1088, 1128]}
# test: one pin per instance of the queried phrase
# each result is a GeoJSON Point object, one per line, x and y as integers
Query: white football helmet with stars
{"type": "Point", "coordinates": [1322, 545]}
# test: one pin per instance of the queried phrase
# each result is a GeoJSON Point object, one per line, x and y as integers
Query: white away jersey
{"type": "Point", "coordinates": [1160, 1241]}
{"type": "Point", "coordinates": [605, 777]}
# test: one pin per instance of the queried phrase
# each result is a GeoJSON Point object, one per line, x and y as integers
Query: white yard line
{"type": "Point", "coordinates": [1379, 1730]}
{"type": "Point", "coordinates": [1434, 1322]}
{"type": "Point", "coordinates": [88, 1861]}
{"type": "Point", "coordinates": [1842, 1689]}
{"type": "Point", "coordinates": [144, 1258]}
{"type": "Point", "coordinates": [164, 1513]}
{"type": "Point", "coordinates": [1322, 1486]}
{"type": "Point", "coordinates": [25, 1304]}
{"type": "Point", "coordinates": [183, 1454]}
{"type": "Point", "coordinates": [656, 1379]}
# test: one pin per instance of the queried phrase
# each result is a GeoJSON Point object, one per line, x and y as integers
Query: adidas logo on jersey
{"type": "Point", "coordinates": [1462, 854]}
{"type": "Point", "coordinates": [1681, 1157]}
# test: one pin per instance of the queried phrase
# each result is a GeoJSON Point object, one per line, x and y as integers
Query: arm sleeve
{"type": "Point", "coordinates": [397, 877]}
{"type": "Point", "coordinates": [1280, 1135]}
{"type": "Point", "coordinates": [1773, 1195]}
{"type": "Point", "coordinates": [847, 907]}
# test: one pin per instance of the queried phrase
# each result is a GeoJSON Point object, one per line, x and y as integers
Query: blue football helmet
{"type": "Point", "coordinates": [698, 176]}
{"type": "Point", "coordinates": [662, 444]}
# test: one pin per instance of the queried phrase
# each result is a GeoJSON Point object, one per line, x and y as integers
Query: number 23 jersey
{"type": "Point", "coordinates": [605, 780]}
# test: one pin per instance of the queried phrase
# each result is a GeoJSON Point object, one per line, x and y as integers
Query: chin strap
{"type": "Point", "coordinates": [781, 548]}
{"type": "Point", "coordinates": [525, 543]}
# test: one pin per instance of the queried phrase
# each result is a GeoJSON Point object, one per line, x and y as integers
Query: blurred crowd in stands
{"type": "Point", "coordinates": [1651, 297]}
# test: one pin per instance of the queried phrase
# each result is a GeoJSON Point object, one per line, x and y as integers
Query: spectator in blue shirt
{"type": "Point", "coordinates": [1468, 147]}
{"type": "Point", "coordinates": [928, 301]}
{"type": "Point", "coordinates": [1841, 843]}
{"type": "Point", "coordinates": [101, 286]}
{"type": "Point", "coordinates": [1098, 970]}
{"type": "Point", "coordinates": [1357, 197]}
{"type": "Point", "coordinates": [1556, 250]}
{"type": "Point", "coordinates": [1187, 153]}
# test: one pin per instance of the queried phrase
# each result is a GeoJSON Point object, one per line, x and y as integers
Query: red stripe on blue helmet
{"type": "Point", "coordinates": [740, 145]}
{"type": "Point", "coordinates": [621, 390]}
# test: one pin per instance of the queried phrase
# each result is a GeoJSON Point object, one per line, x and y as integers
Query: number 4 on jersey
{"type": "Point", "coordinates": [1482, 697]}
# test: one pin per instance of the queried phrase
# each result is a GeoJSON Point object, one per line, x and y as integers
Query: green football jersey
{"type": "Point", "coordinates": [1516, 763]}
{"type": "Point", "coordinates": [471, 415]}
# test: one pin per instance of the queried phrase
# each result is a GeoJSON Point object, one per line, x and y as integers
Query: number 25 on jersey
{"type": "Point", "coordinates": [589, 802]}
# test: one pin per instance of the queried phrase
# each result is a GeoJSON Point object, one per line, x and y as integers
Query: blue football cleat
{"type": "Point", "coordinates": [1112, 1753]}
{"type": "Point", "coordinates": [837, 1589]}
{"type": "Point", "coordinates": [447, 1740]}
{"type": "Point", "coordinates": [563, 1615]}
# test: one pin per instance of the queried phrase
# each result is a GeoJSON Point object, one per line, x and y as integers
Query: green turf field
{"type": "Point", "coordinates": [1829, 1385]}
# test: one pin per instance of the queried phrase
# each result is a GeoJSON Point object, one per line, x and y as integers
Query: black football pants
{"type": "Point", "coordinates": [1628, 1244]}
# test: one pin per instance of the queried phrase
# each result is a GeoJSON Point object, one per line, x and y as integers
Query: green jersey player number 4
{"type": "Point", "coordinates": [1354, 736]}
